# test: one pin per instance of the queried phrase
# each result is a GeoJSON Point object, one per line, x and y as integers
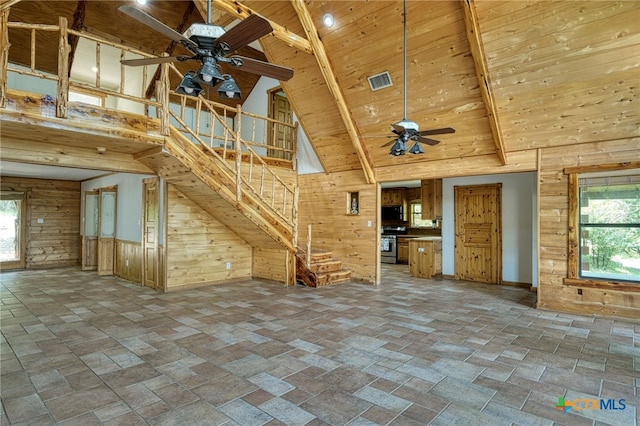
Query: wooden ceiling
{"type": "Point", "coordinates": [509, 76]}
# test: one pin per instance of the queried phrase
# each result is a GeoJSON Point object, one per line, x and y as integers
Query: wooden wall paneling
{"type": "Point", "coordinates": [53, 221]}
{"type": "Point", "coordinates": [554, 231]}
{"type": "Point", "coordinates": [198, 247]}
{"type": "Point", "coordinates": [348, 237]}
{"type": "Point", "coordinates": [270, 264]}
{"type": "Point", "coordinates": [128, 260]}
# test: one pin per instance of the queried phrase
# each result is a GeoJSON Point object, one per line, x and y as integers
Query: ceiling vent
{"type": "Point", "coordinates": [380, 81]}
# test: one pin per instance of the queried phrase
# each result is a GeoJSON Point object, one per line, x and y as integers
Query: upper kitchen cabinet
{"type": "Point", "coordinates": [393, 197]}
{"type": "Point", "coordinates": [413, 194]}
{"type": "Point", "coordinates": [431, 198]}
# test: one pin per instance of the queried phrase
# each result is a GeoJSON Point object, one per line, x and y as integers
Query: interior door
{"type": "Point", "coordinates": [90, 231]}
{"type": "Point", "coordinates": [12, 230]}
{"type": "Point", "coordinates": [478, 236]}
{"type": "Point", "coordinates": [107, 231]}
{"type": "Point", "coordinates": [150, 230]}
{"type": "Point", "coordinates": [280, 110]}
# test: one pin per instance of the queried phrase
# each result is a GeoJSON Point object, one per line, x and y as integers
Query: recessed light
{"type": "Point", "coordinates": [94, 69]}
{"type": "Point", "coordinates": [328, 20]}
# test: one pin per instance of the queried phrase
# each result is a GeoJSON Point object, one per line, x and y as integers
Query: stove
{"type": "Point", "coordinates": [389, 243]}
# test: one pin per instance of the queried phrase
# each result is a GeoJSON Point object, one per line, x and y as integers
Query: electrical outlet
{"type": "Point", "coordinates": [420, 249]}
{"type": "Point", "coordinates": [126, 262]}
{"type": "Point", "coordinates": [228, 265]}
{"type": "Point", "coordinates": [369, 224]}
{"type": "Point", "coordinates": [40, 220]}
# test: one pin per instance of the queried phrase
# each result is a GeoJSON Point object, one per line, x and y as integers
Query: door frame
{"type": "Point", "coordinates": [497, 230]}
{"type": "Point", "coordinates": [157, 283]}
{"type": "Point", "coordinates": [21, 262]}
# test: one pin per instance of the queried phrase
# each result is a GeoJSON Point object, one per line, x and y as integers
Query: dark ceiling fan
{"type": "Point", "coordinates": [211, 44]}
{"type": "Point", "coordinates": [405, 129]}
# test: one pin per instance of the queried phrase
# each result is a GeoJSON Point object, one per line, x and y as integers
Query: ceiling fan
{"type": "Point", "coordinates": [211, 44]}
{"type": "Point", "coordinates": [405, 129]}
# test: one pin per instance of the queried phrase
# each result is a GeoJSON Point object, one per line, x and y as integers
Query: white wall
{"type": "Point", "coordinates": [258, 103]}
{"type": "Point", "coordinates": [518, 224]}
{"type": "Point", "coordinates": [129, 203]}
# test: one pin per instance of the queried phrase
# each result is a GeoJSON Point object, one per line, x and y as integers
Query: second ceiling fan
{"type": "Point", "coordinates": [406, 130]}
{"type": "Point", "coordinates": [211, 45]}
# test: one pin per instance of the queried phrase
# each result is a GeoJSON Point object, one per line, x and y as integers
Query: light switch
{"type": "Point", "coordinates": [369, 224]}
{"type": "Point", "coordinates": [40, 220]}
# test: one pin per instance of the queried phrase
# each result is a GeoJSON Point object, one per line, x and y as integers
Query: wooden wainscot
{"type": "Point", "coordinates": [425, 257]}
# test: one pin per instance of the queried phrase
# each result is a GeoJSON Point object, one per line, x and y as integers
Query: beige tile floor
{"type": "Point", "coordinates": [83, 350]}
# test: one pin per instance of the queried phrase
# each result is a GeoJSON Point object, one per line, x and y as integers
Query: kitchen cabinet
{"type": "Point", "coordinates": [392, 197]}
{"type": "Point", "coordinates": [431, 198]}
{"type": "Point", "coordinates": [413, 194]}
{"type": "Point", "coordinates": [425, 257]}
{"type": "Point", "coordinates": [403, 248]}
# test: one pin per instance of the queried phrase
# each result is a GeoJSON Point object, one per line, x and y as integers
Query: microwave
{"type": "Point", "coordinates": [392, 213]}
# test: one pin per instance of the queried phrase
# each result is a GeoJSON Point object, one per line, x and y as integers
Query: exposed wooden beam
{"type": "Point", "coordinates": [327, 71]}
{"type": "Point", "coordinates": [241, 11]}
{"type": "Point", "coordinates": [182, 26]}
{"type": "Point", "coordinates": [6, 4]}
{"type": "Point", "coordinates": [77, 24]}
{"type": "Point", "coordinates": [480, 61]}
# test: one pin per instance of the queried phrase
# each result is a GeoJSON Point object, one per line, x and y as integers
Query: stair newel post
{"type": "Point", "coordinates": [238, 155]}
{"type": "Point", "coordinates": [308, 257]}
{"type": "Point", "coordinates": [62, 95]}
{"type": "Point", "coordinates": [163, 97]}
{"type": "Point", "coordinates": [4, 55]}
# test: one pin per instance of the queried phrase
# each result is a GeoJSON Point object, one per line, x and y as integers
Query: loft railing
{"type": "Point", "coordinates": [228, 132]}
{"type": "Point", "coordinates": [269, 138]}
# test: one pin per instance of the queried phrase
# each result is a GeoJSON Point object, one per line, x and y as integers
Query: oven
{"type": "Point", "coordinates": [389, 243]}
{"type": "Point", "coordinates": [388, 248]}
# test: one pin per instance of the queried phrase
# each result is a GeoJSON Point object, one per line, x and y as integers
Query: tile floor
{"type": "Point", "coordinates": [83, 350]}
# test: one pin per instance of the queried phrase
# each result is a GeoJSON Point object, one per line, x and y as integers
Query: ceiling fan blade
{"type": "Point", "coordinates": [397, 129]}
{"type": "Point", "coordinates": [153, 61]}
{"type": "Point", "coordinates": [153, 23]}
{"type": "Point", "coordinates": [245, 32]}
{"type": "Point", "coordinates": [428, 141]}
{"type": "Point", "coordinates": [442, 131]}
{"type": "Point", "coordinates": [389, 143]}
{"type": "Point", "coordinates": [255, 66]}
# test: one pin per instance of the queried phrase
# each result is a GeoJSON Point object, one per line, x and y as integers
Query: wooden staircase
{"type": "Point", "coordinates": [324, 269]}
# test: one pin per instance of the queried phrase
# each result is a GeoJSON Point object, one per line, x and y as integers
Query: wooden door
{"type": "Point", "coordinates": [280, 110]}
{"type": "Point", "coordinates": [90, 231]}
{"type": "Point", "coordinates": [478, 233]}
{"type": "Point", "coordinates": [150, 230]}
{"type": "Point", "coordinates": [12, 230]}
{"type": "Point", "coordinates": [107, 231]}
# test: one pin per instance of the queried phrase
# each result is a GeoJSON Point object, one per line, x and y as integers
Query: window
{"type": "Point", "coordinates": [604, 226]}
{"type": "Point", "coordinates": [609, 227]}
{"type": "Point", "coordinates": [416, 217]}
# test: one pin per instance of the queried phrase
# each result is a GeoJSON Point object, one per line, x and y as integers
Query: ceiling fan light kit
{"type": "Point", "coordinates": [210, 44]}
{"type": "Point", "coordinates": [188, 86]}
{"type": "Point", "coordinates": [229, 89]}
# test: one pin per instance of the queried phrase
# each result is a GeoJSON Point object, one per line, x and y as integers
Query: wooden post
{"type": "Point", "coordinates": [238, 156]}
{"type": "Point", "coordinates": [294, 215]}
{"type": "Point", "coordinates": [62, 96]}
{"type": "Point", "coordinates": [163, 98]}
{"type": "Point", "coordinates": [294, 147]}
{"type": "Point", "coordinates": [308, 256]}
{"type": "Point", "coordinates": [4, 55]}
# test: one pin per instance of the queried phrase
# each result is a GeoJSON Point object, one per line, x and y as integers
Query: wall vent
{"type": "Point", "coordinates": [380, 81]}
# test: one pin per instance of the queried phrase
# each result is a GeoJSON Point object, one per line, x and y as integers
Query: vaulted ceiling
{"type": "Point", "coordinates": [509, 76]}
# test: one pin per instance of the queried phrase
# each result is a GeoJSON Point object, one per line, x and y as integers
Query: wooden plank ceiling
{"type": "Point", "coordinates": [509, 76]}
